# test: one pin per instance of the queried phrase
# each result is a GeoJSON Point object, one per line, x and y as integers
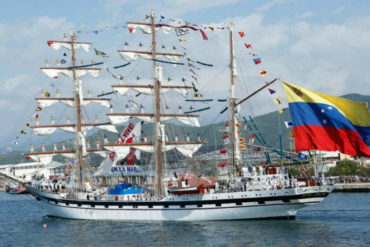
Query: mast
{"type": "Point", "coordinates": [232, 101]}
{"type": "Point", "coordinates": [157, 115]}
{"type": "Point", "coordinates": [78, 138]}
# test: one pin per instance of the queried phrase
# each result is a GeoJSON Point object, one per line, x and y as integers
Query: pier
{"type": "Point", "coordinates": [8, 177]}
{"type": "Point", "coordinates": [352, 187]}
{"type": "Point", "coordinates": [13, 178]}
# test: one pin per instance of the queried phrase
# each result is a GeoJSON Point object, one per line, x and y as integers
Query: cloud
{"type": "Point", "coordinates": [13, 83]}
{"type": "Point", "coordinates": [267, 6]}
{"type": "Point", "coordinates": [164, 7]}
{"type": "Point", "coordinates": [307, 14]}
{"type": "Point", "coordinates": [338, 10]}
{"type": "Point", "coordinates": [23, 49]}
{"type": "Point", "coordinates": [172, 7]}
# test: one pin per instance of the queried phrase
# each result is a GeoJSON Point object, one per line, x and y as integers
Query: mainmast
{"type": "Point", "coordinates": [157, 114]}
{"type": "Point", "coordinates": [234, 139]}
{"type": "Point", "coordinates": [78, 137]}
{"type": "Point", "coordinates": [158, 144]}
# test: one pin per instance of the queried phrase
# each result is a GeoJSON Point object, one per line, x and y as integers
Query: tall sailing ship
{"type": "Point", "coordinates": [238, 193]}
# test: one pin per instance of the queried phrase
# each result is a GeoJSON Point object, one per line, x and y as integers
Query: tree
{"type": "Point", "coordinates": [348, 168]}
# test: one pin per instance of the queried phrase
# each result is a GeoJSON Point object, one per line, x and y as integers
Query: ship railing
{"type": "Point", "coordinates": [260, 186]}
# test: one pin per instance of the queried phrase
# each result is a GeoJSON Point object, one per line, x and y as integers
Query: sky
{"type": "Point", "coordinates": [321, 45]}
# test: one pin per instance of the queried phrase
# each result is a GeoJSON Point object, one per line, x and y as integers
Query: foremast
{"type": "Point", "coordinates": [81, 147]}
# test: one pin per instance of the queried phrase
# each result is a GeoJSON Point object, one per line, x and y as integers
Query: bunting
{"type": "Point", "coordinates": [278, 101]}
{"type": "Point", "coordinates": [197, 110]}
{"type": "Point", "coordinates": [263, 72]}
{"type": "Point", "coordinates": [120, 66]}
{"type": "Point", "coordinates": [281, 111]}
{"type": "Point", "coordinates": [288, 124]}
{"type": "Point", "coordinates": [100, 53]}
{"type": "Point", "coordinates": [248, 46]}
{"type": "Point", "coordinates": [205, 64]}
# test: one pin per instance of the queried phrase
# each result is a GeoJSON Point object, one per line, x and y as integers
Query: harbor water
{"type": "Point", "coordinates": [343, 219]}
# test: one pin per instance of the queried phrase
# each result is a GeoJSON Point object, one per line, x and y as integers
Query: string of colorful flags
{"type": "Point", "coordinates": [258, 61]}
{"type": "Point", "coordinates": [181, 28]}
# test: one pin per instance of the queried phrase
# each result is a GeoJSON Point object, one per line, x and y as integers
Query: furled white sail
{"type": "Point", "coordinates": [108, 127]}
{"type": "Point", "coordinates": [57, 44]}
{"type": "Point", "coordinates": [119, 119]}
{"type": "Point", "coordinates": [123, 151]}
{"type": "Point", "coordinates": [186, 149]}
{"type": "Point", "coordinates": [43, 159]}
{"type": "Point", "coordinates": [132, 56]}
{"type": "Point", "coordinates": [149, 90]}
{"type": "Point", "coordinates": [102, 102]}
{"type": "Point", "coordinates": [47, 130]}
{"type": "Point", "coordinates": [192, 121]}
{"type": "Point", "coordinates": [147, 29]}
{"type": "Point", "coordinates": [45, 102]}
{"type": "Point", "coordinates": [44, 131]}
{"type": "Point", "coordinates": [54, 72]}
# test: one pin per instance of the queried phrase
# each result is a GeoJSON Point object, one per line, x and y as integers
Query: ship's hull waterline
{"type": "Point", "coordinates": [282, 203]}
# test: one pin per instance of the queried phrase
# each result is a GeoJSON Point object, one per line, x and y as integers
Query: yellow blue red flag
{"type": "Point", "coordinates": [328, 123]}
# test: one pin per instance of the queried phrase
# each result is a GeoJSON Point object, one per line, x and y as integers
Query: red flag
{"type": "Point", "coordinates": [221, 165]}
{"type": "Point", "coordinates": [50, 42]}
{"type": "Point", "coordinates": [247, 45]}
{"type": "Point", "coordinates": [130, 29]}
{"type": "Point", "coordinates": [272, 91]}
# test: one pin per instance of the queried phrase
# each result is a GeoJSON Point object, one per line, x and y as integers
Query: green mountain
{"type": "Point", "coordinates": [267, 126]}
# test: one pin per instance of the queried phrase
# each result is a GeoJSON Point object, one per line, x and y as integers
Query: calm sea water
{"type": "Point", "coordinates": [343, 219]}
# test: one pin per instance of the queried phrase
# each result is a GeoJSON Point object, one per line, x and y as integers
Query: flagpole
{"type": "Point", "coordinates": [280, 138]}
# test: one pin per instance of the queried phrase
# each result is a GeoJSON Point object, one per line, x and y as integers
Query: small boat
{"type": "Point", "coordinates": [127, 189]}
{"type": "Point", "coordinates": [17, 191]}
{"type": "Point", "coordinates": [185, 190]}
{"type": "Point", "coordinates": [191, 185]}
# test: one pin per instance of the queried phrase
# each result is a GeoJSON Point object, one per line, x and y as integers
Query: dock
{"type": "Point", "coordinates": [352, 187]}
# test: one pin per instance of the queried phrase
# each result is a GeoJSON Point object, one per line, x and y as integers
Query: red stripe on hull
{"type": "Point", "coordinates": [312, 137]}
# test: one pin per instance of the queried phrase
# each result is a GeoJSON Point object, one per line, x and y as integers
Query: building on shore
{"type": "Point", "coordinates": [26, 171]}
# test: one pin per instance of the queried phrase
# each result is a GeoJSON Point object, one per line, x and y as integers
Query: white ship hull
{"type": "Point", "coordinates": [282, 203]}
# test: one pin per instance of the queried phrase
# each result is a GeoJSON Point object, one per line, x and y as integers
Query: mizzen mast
{"type": "Point", "coordinates": [234, 136]}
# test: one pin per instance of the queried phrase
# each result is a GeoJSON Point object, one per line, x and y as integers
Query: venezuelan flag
{"type": "Point", "coordinates": [328, 123]}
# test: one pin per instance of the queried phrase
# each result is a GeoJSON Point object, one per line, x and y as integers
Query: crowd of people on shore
{"type": "Point", "coordinates": [350, 179]}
